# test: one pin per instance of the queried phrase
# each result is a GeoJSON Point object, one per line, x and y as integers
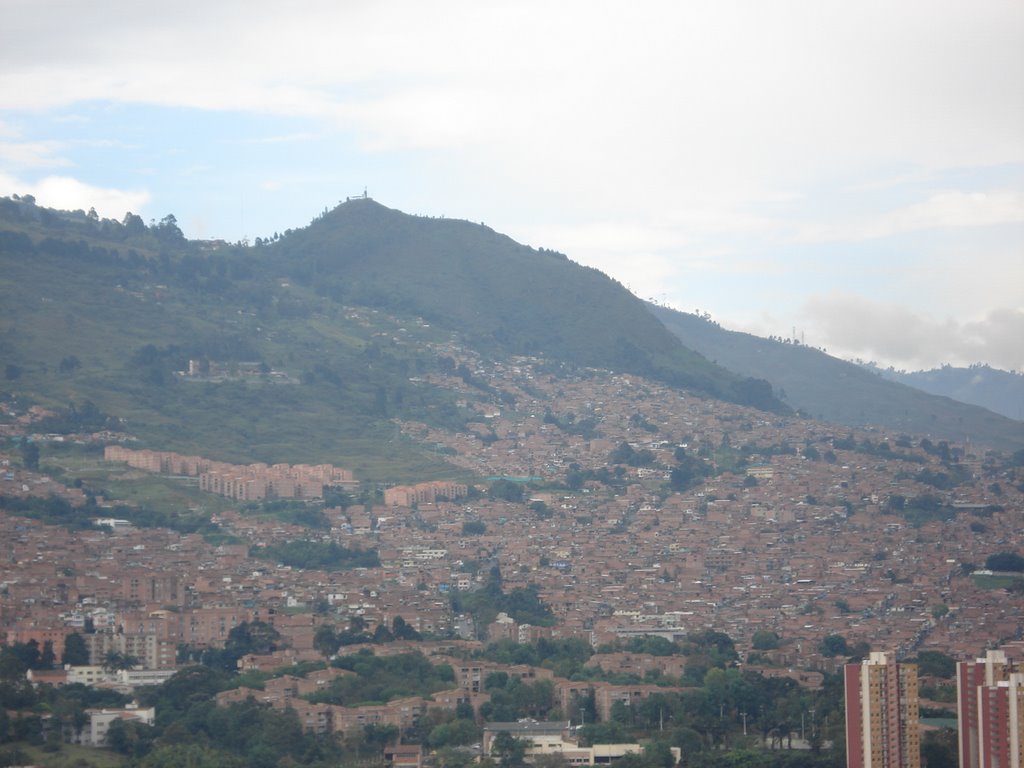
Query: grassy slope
{"type": "Point", "coordinates": [834, 390]}
{"type": "Point", "coordinates": [53, 309]}
{"type": "Point", "coordinates": [97, 292]}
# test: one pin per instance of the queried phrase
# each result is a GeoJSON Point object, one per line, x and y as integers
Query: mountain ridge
{"type": "Point", "coordinates": [316, 342]}
{"type": "Point", "coordinates": [576, 313]}
{"type": "Point", "coordinates": [822, 386]}
{"type": "Point", "coordinates": [996, 390]}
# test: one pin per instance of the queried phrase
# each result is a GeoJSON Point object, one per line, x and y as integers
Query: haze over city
{"type": "Point", "coordinates": [851, 171]}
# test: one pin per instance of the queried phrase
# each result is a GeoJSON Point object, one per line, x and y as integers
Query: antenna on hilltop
{"type": "Point", "coordinates": [365, 196]}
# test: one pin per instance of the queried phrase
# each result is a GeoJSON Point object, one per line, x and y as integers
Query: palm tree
{"type": "Point", "coordinates": [115, 661]}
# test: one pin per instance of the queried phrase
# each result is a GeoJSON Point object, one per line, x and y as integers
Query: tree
{"type": "Point", "coordinates": [167, 230]}
{"type": "Point", "coordinates": [450, 757]}
{"type": "Point", "coordinates": [548, 761]}
{"type": "Point", "coordinates": [936, 663]}
{"type": "Point", "coordinates": [47, 657]}
{"type": "Point", "coordinates": [834, 645]}
{"type": "Point", "coordinates": [76, 652]}
{"type": "Point", "coordinates": [29, 455]}
{"type": "Point", "coordinates": [130, 738]}
{"type": "Point", "coordinates": [380, 736]}
{"type": "Point", "coordinates": [253, 637]}
{"type": "Point", "coordinates": [541, 509]}
{"type": "Point", "coordinates": [16, 658]}
{"type": "Point", "coordinates": [70, 713]}
{"type": "Point", "coordinates": [1005, 561]}
{"type": "Point", "coordinates": [939, 748]}
{"type": "Point", "coordinates": [115, 661]}
{"type": "Point", "coordinates": [658, 754]}
{"type": "Point", "coordinates": [506, 490]}
{"type": "Point", "coordinates": [764, 640]}
{"type": "Point", "coordinates": [325, 641]}
{"type": "Point", "coordinates": [69, 364]}
{"type": "Point", "coordinates": [621, 454]}
{"type": "Point", "coordinates": [133, 224]}
{"type": "Point", "coordinates": [402, 630]}
{"type": "Point", "coordinates": [509, 750]}
{"type": "Point", "coordinates": [495, 680]}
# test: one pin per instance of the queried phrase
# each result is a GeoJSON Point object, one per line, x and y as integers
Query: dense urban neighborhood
{"type": "Point", "coordinates": [621, 542]}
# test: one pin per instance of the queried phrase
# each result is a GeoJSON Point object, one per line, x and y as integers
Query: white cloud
{"type": "Point", "coordinates": [950, 208]}
{"type": "Point", "coordinates": [707, 85]}
{"type": "Point", "coordinates": [855, 327]}
{"type": "Point", "coordinates": [68, 193]}
{"type": "Point", "coordinates": [31, 154]}
{"type": "Point", "coordinates": [287, 138]}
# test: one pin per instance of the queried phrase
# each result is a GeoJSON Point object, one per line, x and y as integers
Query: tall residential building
{"type": "Point", "coordinates": [971, 676]}
{"type": "Point", "coordinates": [1001, 723]}
{"type": "Point", "coordinates": [881, 714]}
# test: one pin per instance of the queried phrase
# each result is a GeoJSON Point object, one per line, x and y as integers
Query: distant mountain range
{"type": "Point", "coordinates": [998, 391]}
{"type": "Point", "coordinates": [824, 387]}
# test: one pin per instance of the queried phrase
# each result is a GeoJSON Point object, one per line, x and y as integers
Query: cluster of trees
{"type": "Point", "coordinates": [714, 718]}
{"type": "Point", "coordinates": [506, 490]}
{"type": "Point", "coordinates": [523, 603]}
{"type": "Point", "coordinates": [329, 639]}
{"type": "Point", "coordinates": [575, 476]}
{"type": "Point", "coordinates": [256, 637]}
{"type": "Point", "coordinates": [881, 448]}
{"type": "Point", "coordinates": [56, 510]}
{"type": "Point", "coordinates": [23, 706]}
{"type": "Point", "coordinates": [718, 704]}
{"type": "Point", "coordinates": [317, 555]}
{"type": "Point", "coordinates": [689, 471]}
{"type": "Point", "coordinates": [192, 730]}
{"type": "Point", "coordinates": [292, 511]}
{"type": "Point", "coordinates": [1005, 561]}
{"type": "Point", "coordinates": [384, 678]}
{"type": "Point", "coordinates": [624, 453]}
{"type": "Point", "coordinates": [84, 417]}
{"type": "Point", "coordinates": [572, 425]}
{"type": "Point", "coordinates": [944, 481]}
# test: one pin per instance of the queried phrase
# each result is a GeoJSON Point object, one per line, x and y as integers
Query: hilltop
{"type": "Point", "coordinates": [497, 294]}
{"type": "Point", "coordinates": [824, 387]}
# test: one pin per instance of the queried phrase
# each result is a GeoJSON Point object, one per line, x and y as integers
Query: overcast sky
{"type": "Point", "coordinates": [853, 170]}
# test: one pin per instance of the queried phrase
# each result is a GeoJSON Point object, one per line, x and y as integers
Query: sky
{"type": "Point", "coordinates": [851, 173]}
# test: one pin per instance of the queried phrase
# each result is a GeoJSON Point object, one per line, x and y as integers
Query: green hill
{"type": "Point", "coordinates": [499, 295]}
{"type": "Point", "coordinates": [827, 388]}
{"type": "Point", "coordinates": [95, 313]}
{"type": "Point", "coordinates": [306, 347]}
